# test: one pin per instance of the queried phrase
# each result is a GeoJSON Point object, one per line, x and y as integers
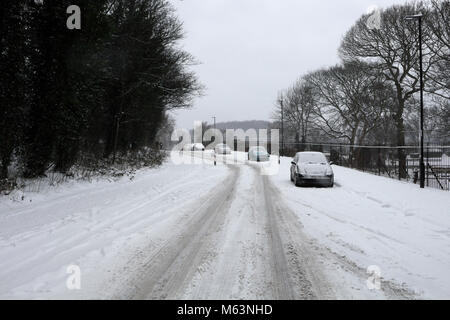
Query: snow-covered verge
{"type": "Point", "coordinates": [95, 226]}
{"type": "Point", "coordinates": [374, 221]}
{"type": "Point", "coordinates": [16, 187]}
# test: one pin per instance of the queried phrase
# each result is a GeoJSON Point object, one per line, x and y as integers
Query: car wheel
{"type": "Point", "coordinates": [296, 181]}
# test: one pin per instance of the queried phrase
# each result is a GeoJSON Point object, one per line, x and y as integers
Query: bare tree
{"type": "Point", "coordinates": [439, 44]}
{"type": "Point", "coordinates": [394, 47]}
{"type": "Point", "coordinates": [439, 120]}
{"type": "Point", "coordinates": [298, 106]}
{"type": "Point", "coordinates": [164, 134]}
{"type": "Point", "coordinates": [439, 25]}
{"type": "Point", "coordinates": [353, 100]}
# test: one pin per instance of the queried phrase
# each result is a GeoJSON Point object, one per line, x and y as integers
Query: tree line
{"type": "Point", "coordinates": [91, 93]}
{"type": "Point", "coordinates": [371, 97]}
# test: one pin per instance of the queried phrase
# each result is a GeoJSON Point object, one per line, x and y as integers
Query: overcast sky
{"type": "Point", "coordinates": [250, 49]}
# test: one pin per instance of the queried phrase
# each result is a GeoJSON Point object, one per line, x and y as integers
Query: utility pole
{"type": "Point", "coordinates": [214, 117]}
{"type": "Point", "coordinates": [422, 163]}
{"type": "Point", "coordinates": [282, 126]}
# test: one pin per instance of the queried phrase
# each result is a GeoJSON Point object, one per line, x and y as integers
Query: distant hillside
{"type": "Point", "coordinates": [245, 125]}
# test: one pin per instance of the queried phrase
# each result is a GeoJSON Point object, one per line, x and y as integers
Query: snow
{"type": "Point", "coordinates": [95, 226]}
{"type": "Point", "coordinates": [372, 220]}
{"type": "Point", "coordinates": [112, 230]}
{"type": "Point", "coordinates": [244, 242]}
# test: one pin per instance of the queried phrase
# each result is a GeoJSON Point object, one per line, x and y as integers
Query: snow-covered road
{"type": "Point", "coordinates": [226, 232]}
{"type": "Point", "coordinates": [238, 245]}
{"type": "Point", "coordinates": [367, 220]}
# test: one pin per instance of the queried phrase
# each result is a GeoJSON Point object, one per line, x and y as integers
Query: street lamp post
{"type": "Point", "coordinates": [282, 127]}
{"type": "Point", "coordinates": [422, 164]}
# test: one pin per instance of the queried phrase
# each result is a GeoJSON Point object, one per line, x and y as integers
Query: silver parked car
{"type": "Point", "coordinates": [222, 148]}
{"type": "Point", "coordinates": [258, 154]}
{"type": "Point", "coordinates": [311, 168]}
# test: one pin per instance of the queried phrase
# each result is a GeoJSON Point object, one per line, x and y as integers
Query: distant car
{"type": "Point", "coordinates": [198, 147]}
{"type": "Point", "coordinates": [222, 148]}
{"type": "Point", "coordinates": [258, 154]}
{"type": "Point", "coordinates": [194, 147]}
{"type": "Point", "coordinates": [311, 168]}
{"type": "Point", "coordinates": [188, 147]}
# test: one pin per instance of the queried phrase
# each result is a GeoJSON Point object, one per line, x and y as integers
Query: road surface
{"type": "Point", "coordinates": [199, 231]}
{"type": "Point", "coordinates": [241, 242]}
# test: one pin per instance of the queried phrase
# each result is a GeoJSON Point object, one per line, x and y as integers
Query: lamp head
{"type": "Point", "coordinates": [414, 17]}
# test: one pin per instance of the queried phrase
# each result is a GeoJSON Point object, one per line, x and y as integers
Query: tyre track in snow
{"type": "Point", "coordinates": [239, 242]}
{"type": "Point", "coordinates": [295, 262]}
{"type": "Point", "coordinates": [161, 272]}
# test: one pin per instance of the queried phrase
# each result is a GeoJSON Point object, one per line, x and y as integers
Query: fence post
{"type": "Point", "coordinates": [397, 163]}
{"type": "Point", "coordinates": [379, 161]}
{"type": "Point", "coordinates": [428, 163]}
